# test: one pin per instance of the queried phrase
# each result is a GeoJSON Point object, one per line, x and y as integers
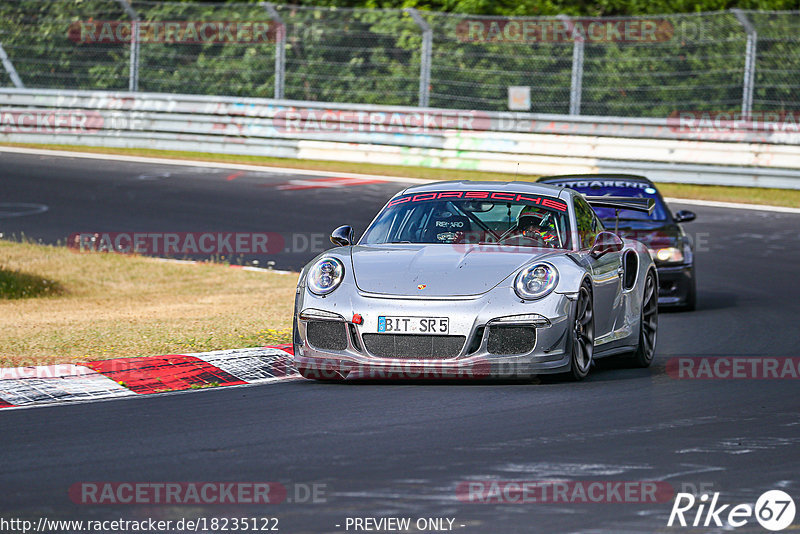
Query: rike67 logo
{"type": "Point", "coordinates": [774, 510]}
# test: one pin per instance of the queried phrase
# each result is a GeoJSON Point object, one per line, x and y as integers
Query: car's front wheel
{"type": "Point", "coordinates": [582, 334]}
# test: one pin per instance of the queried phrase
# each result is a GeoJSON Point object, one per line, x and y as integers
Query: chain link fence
{"type": "Point", "coordinates": [627, 66]}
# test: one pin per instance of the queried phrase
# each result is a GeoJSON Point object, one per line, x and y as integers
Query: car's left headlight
{"type": "Point", "coordinates": [325, 276]}
{"type": "Point", "coordinates": [536, 281]}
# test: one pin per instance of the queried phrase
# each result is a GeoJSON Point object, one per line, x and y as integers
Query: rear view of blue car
{"type": "Point", "coordinates": [661, 231]}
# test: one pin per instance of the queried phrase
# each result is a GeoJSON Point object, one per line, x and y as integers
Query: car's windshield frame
{"type": "Point", "coordinates": [464, 209]}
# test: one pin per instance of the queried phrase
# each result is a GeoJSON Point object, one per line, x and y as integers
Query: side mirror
{"type": "Point", "coordinates": [604, 243]}
{"type": "Point", "coordinates": [684, 216]}
{"type": "Point", "coordinates": [343, 236]}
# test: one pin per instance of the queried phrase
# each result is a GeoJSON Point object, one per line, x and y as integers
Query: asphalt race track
{"type": "Point", "coordinates": [400, 449]}
{"type": "Point", "coordinates": [86, 195]}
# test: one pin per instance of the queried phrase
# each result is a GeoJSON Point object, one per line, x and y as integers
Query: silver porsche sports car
{"type": "Point", "coordinates": [477, 279]}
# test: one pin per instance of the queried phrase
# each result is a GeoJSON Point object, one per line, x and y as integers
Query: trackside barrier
{"type": "Point", "coordinates": [687, 149]}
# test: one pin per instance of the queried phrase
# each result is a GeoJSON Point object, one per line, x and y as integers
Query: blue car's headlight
{"type": "Point", "coordinates": [668, 255]}
{"type": "Point", "coordinates": [325, 276]}
{"type": "Point", "coordinates": [536, 281]}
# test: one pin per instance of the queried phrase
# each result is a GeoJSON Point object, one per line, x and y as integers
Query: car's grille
{"type": "Point", "coordinates": [411, 346]}
{"type": "Point", "coordinates": [327, 335]}
{"type": "Point", "coordinates": [511, 339]}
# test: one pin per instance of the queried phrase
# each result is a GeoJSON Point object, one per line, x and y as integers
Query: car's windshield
{"type": "Point", "coordinates": [472, 217]}
{"type": "Point", "coordinates": [621, 188]}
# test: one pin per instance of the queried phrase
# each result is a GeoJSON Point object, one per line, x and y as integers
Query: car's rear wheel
{"type": "Point", "coordinates": [648, 327]}
{"type": "Point", "coordinates": [582, 344]}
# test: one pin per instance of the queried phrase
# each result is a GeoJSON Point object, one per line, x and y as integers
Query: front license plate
{"type": "Point", "coordinates": [413, 325]}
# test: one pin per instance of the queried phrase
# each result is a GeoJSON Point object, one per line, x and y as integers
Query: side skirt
{"type": "Point", "coordinates": [604, 353]}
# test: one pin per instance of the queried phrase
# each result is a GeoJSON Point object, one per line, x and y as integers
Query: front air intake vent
{"type": "Point", "coordinates": [511, 339]}
{"type": "Point", "coordinates": [414, 347]}
{"type": "Point", "coordinates": [327, 335]}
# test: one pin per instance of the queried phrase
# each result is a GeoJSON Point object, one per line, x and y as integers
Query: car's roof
{"type": "Point", "coordinates": [472, 185]}
{"type": "Point", "coordinates": [600, 176]}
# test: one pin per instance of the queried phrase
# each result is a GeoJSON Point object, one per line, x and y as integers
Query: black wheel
{"type": "Point", "coordinates": [582, 334]}
{"type": "Point", "coordinates": [648, 327]}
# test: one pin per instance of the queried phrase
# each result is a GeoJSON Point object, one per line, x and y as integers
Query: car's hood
{"type": "Point", "coordinates": [437, 270]}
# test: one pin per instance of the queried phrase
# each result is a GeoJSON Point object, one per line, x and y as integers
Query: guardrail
{"type": "Point", "coordinates": [688, 149]}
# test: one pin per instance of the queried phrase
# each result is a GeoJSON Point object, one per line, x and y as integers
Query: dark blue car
{"type": "Point", "coordinates": [671, 248]}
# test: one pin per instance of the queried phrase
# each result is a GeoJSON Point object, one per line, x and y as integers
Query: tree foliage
{"type": "Point", "coordinates": [369, 51]}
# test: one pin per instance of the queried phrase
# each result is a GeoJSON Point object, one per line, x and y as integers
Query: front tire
{"type": "Point", "coordinates": [648, 326]}
{"type": "Point", "coordinates": [582, 346]}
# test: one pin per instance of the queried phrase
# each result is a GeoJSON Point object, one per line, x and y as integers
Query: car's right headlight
{"type": "Point", "coordinates": [536, 281]}
{"type": "Point", "coordinates": [667, 255]}
{"type": "Point", "coordinates": [325, 276]}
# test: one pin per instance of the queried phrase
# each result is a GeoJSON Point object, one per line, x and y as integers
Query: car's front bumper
{"type": "Point", "coordinates": [675, 284]}
{"type": "Point", "coordinates": [472, 318]}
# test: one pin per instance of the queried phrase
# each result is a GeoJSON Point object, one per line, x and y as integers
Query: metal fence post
{"type": "Point", "coordinates": [9, 66]}
{"type": "Point", "coordinates": [748, 84]}
{"type": "Point", "coordinates": [133, 74]}
{"type": "Point", "coordinates": [425, 57]}
{"type": "Point", "coordinates": [280, 49]}
{"type": "Point", "coordinates": [576, 80]}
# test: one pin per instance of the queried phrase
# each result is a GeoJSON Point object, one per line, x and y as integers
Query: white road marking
{"type": "Point", "coordinates": [38, 385]}
{"type": "Point", "coordinates": [256, 365]}
{"type": "Point", "coordinates": [733, 205]}
{"type": "Point", "coordinates": [307, 172]}
{"type": "Point", "coordinates": [20, 209]}
{"type": "Point", "coordinates": [208, 164]}
{"type": "Point", "coordinates": [242, 267]}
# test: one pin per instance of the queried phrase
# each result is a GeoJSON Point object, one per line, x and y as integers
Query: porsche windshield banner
{"type": "Point", "coordinates": [501, 196]}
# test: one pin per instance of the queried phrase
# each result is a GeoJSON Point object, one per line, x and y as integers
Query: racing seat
{"type": "Point", "coordinates": [447, 229]}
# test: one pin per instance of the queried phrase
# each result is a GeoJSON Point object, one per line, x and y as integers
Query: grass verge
{"type": "Point", "coordinates": [19, 285]}
{"type": "Point", "coordinates": [747, 195]}
{"type": "Point", "coordinates": [114, 306]}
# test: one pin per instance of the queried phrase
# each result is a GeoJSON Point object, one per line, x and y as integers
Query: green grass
{"type": "Point", "coordinates": [15, 284]}
{"type": "Point", "coordinates": [114, 306]}
{"type": "Point", "coordinates": [746, 195]}
{"type": "Point", "coordinates": [750, 195]}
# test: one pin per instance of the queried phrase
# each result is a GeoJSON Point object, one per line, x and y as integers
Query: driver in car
{"type": "Point", "coordinates": [538, 224]}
